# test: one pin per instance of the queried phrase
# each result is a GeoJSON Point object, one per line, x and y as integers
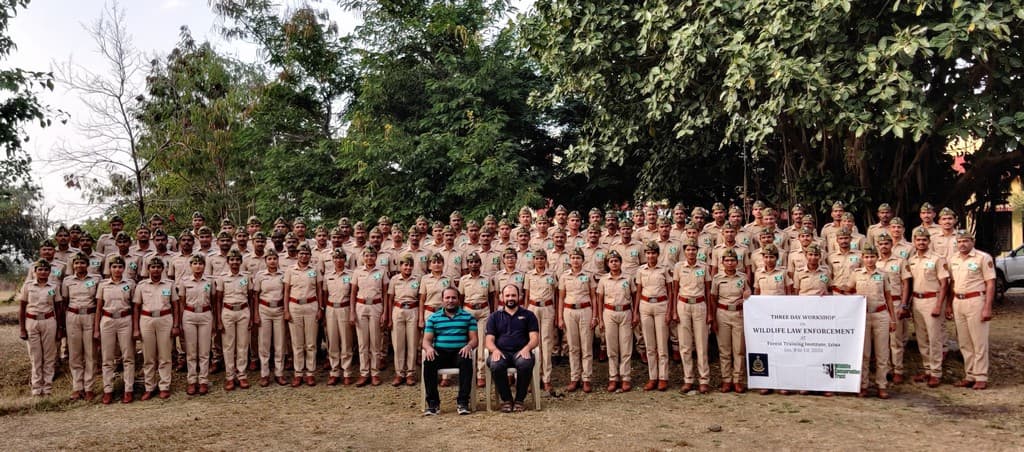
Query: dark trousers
{"type": "Point", "coordinates": [446, 359]}
{"type": "Point", "coordinates": [499, 374]}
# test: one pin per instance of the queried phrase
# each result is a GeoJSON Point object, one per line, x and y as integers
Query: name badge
{"type": "Point", "coordinates": [375, 275]}
{"type": "Point", "coordinates": [876, 277]}
{"type": "Point", "coordinates": [90, 283]}
{"type": "Point", "coordinates": [584, 278]}
{"type": "Point", "coordinates": [700, 272]}
{"type": "Point", "coordinates": [894, 267]}
{"type": "Point", "coordinates": [311, 273]}
{"type": "Point", "coordinates": [778, 278]}
{"type": "Point", "coordinates": [346, 279]}
{"type": "Point", "coordinates": [518, 278]}
{"type": "Point", "coordinates": [972, 266]}
{"type": "Point", "coordinates": [165, 292]}
{"type": "Point", "coordinates": [415, 285]}
{"type": "Point", "coordinates": [484, 283]}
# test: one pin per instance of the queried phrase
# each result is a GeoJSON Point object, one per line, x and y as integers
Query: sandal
{"type": "Point", "coordinates": [506, 407]}
{"type": "Point", "coordinates": [519, 407]}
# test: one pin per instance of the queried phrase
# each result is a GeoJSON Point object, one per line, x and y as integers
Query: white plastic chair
{"type": "Point", "coordinates": [512, 371]}
{"type": "Point", "coordinates": [446, 371]}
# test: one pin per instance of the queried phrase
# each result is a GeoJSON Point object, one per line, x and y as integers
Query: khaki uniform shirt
{"type": "Point", "coordinates": [302, 281]}
{"type": "Point", "coordinates": [180, 267]}
{"type": "Point", "coordinates": [454, 263]}
{"type": "Point", "coordinates": [490, 261]}
{"type": "Point", "coordinates": [338, 285]}
{"type": "Point", "coordinates": [503, 278]}
{"type": "Point", "coordinates": [896, 270]}
{"type": "Point", "coordinates": [616, 290]}
{"type": "Point", "coordinates": [432, 287]}
{"type": "Point", "coordinates": [729, 289]}
{"type": "Point", "coordinates": [268, 286]}
{"type": "Point", "coordinates": [475, 289]}
{"type": "Point", "coordinates": [524, 260]}
{"type": "Point", "coordinates": [39, 300]}
{"type": "Point", "coordinates": [165, 258]}
{"type": "Point", "coordinates": [96, 264]}
{"type": "Point", "coordinates": [544, 243]}
{"type": "Point", "coordinates": [872, 285]}
{"type": "Point", "coordinates": [155, 296]}
{"type": "Point", "coordinates": [541, 285]}
{"type": "Point", "coordinates": [234, 287]}
{"type": "Point", "coordinates": [558, 261]}
{"type": "Point", "coordinates": [669, 254]}
{"type": "Point", "coordinates": [217, 264]}
{"type": "Point", "coordinates": [354, 255]}
{"type": "Point", "coordinates": [420, 265]}
{"type": "Point", "coordinates": [904, 249]}
{"type": "Point", "coordinates": [58, 270]}
{"type": "Point", "coordinates": [253, 264]}
{"type": "Point", "coordinates": [944, 245]}
{"type": "Point", "coordinates": [812, 282]}
{"type": "Point", "coordinates": [653, 282]}
{"type": "Point", "coordinates": [370, 284]}
{"type": "Point", "coordinates": [80, 293]}
{"type": "Point", "coordinates": [196, 293]}
{"type": "Point", "coordinates": [609, 240]}
{"type": "Point", "coordinates": [970, 272]}
{"type": "Point", "coordinates": [742, 256]}
{"type": "Point", "coordinates": [875, 230]}
{"type": "Point", "coordinates": [116, 297]}
{"type": "Point", "coordinates": [65, 255]}
{"type": "Point", "coordinates": [927, 271]}
{"type": "Point", "coordinates": [632, 256]}
{"type": "Point", "coordinates": [577, 286]}
{"type": "Point", "coordinates": [594, 260]}
{"type": "Point", "coordinates": [774, 282]}
{"type": "Point", "coordinates": [692, 280]}
{"type": "Point", "coordinates": [404, 290]}
{"type": "Point", "coordinates": [105, 244]}
{"type": "Point", "coordinates": [842, 266]}
{"type": "Point", "coordinates": [757, 259]}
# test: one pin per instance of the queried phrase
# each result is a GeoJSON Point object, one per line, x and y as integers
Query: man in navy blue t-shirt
{"type": "Point", "coordinates": [512, 334]}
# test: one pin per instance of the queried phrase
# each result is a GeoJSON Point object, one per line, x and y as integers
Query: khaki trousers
{"type": "Point", "coordinates": [156, 351]}
{"type": "Point", "coordinates": [876, 337]}
{"type": "Point", "coordinates": [481, 316]}
{"type": "Point", "coordinates": [618, 333]}
{"type": "Point", "coordinates": [972, 334]}
{"type": "Point", "coordinates": [581, 342]}
{"type": "Point", "coordinates": [546, 319]}
{"type": "Point", "coordinates": [116, 336]}
{"type": "Point", "coordinates": [405, 339]}
{"type": "Point", "coordinates": [731, 345]}
{"type": "Point", "coordinates": [897, 345]}
{"type": "Point", "coordinates": [80, 351]}
{"type": "Point", "coordinates": [339, 341]}
{"type": "Point", "coordinates": [42, 351]}
{"type": "Point", "coordinates": [931, 333]}
{"type": "Point", "coordinates": [655, 328]}
{"type": "Point", "coordinates": [198, 329]}
{"type": "Point", "coordinates": [236, 342]}
{"type": "Point", "coordinates": [368, 334]}
{"type": "Point", "coordinates": [271, 333]}
{"type": "Point", "coordinates": [693, 333]}
{"type": "Point", "coordinates": [303, 332]}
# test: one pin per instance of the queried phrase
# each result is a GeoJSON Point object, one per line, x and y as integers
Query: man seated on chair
{"type": "Point", "coordinates": [512, 334]}
{"type": "Point", "coordinates": [449, 339]}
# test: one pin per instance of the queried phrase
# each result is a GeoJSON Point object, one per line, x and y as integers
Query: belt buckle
{"type": "Point", "coordinates": [115, 315]}
{"type": "Point", "coordinates": [732, 308]}
{"type": "Point", "coordinates": [154, 314]}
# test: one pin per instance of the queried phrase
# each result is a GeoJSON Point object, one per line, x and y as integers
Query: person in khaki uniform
{"type": "Point", "coordinates": [630, 250]}
{"type": "Point", "coordinates": [797, 257]}
{"type": "Point", "coordinates": [615, 291]}
{"type": "Point", "coordinates": [558, 255]}
{"type": "Point", "coordinates": [718, 217]}
{"type": "Point", "coordinates": [477, 294]}
{"type": "Point", "coordinates": [509, 274]}
{"type": "Point", "coordinates": [541, 288]}
{"type": "Point", "coordinates": [524, 255]}
{"type": "Point", "coordinates": [132, 262]}
{"type": "Point", "coordinates": [79, 291]}
{"type": "Point", "coordinates": [573, 237]}
{"type": "Point", "coordinates": [828, 231]}
{"type": "Point", "coordinates": [541, 239]}
{"type": "Point", "coordinates": [594, 252]}
{"type": "Point", "coordinates": [770, 279]}
{"type": "Point", "coordinates": [234, 311]}
{"type": "Point", "coordinates": [576, 315]}
{"type": "Point", "coordinates": [420, 266]}
{"type": "Point", "coordinates": [369, 286]}
{"type": "Point", "coordinates": [727, 242]}
{"type": "Point", "coordinates": [337, 298]}
{"type": "Point", "coordinates": [884, 214]}
{"type": "Point", "coordinates": [454, 261]}
{"type": "Point", "coordinates": [113, 327]}
{"type": "Point", "coordinates": [432, 285]}
{"type": "Point", "coordinates": [196, 293]}
{"type": "Point", "coordinates": [974, 280]}
{"type": "Point", "coordinates": [927, 216]}
{"type": "Point", "coordinates": [403, 302]}
{"type": "Point", "coordinates": [611, 229]}
{"type": "Point", "coordinates": [944, 243]}
{"type": "Point", "coordinates": [872, 283]}
{"type": "Point", "coordinates": [930, 273]}
{"type": "Point", "coordinates": [813, 278]}
{"type": "Point", "coordinates": [897, 271]}
{"type": "Point", "coordinates": [105, 242]}
{"type": "Point", "coordinates": [217, 262]}
{"type": "Point", "coordinates": [668, 247]}
{"type": "Point", "coordinates": [843, 262]}
{"type": "Point", "coordinates": [95, 258]}
{"type": "Point", "coordinates": [268, 288]}
{"type": "Point", "coordinates": [303, 288]}
{"type": "Point", "coordinates": [691, 280]}
{"type": "Point", "coordinates": [729, 289]}
{"type": "Point", "coordinates": [766, 236]}
{"type": "Point", "coordinates": [490, 258]}
{"type": "Point", "coordinates": [37, 302]}
{"type": "Point", "coordinates": [155, 321]}
{"type": "Point", "coordinates": [652, 311]}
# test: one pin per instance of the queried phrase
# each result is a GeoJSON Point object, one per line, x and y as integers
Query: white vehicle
{"type": "Point", "coordinates": [1009, 271]}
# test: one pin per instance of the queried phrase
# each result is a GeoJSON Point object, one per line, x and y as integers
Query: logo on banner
{"type": "Point", "coordinates": [758, 364]}
{"type": "Point", "coordinates": [839, 371]}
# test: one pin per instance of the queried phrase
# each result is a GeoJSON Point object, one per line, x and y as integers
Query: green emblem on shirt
{"type": "Point", "coordinates": [904, 254]}
{"type": "Point", "coordinates": [739, 283]}
{"type": "Point", "coordinates": [894, 267]}
{"type": "Point", "coordinates": [346, 279]}
{"type": "Point", "coordinates": [415, 285]}
{"type": "Point", "coordinates": [778, 278]}
{"type": "Point", "coordinates": [876, 277]}
{"type": "Point", "coordinates": [90, 283]}
{"type": "Point", "coordinates": [854, 246]}
{"type": "Point", "coordinates": [599, 255]}
{"type": "Point", "coordinates": [634, 253]}
{"type": "Point", "coordinates": [823, 278]}
{"type": "Point", "coordinates": [529, 255]}
{"type": "Point", "coordinates": [494, 260]}
{"type": "Point", "coordinates": [739, 255]}
{"type": "Point", "coordinates": [311, 273]}
{"type": "Point", "coordinates": [972, 266]}
{"type": "Point", "coordinates": [699, 272]}
{"type": "Point", "coordinates": [444, 282]}
{"type": "Point", "coordinates": [550, 280]}
{"type": "Point", "coordinates": [94, 262]}
{"type": "Point", "coordinates": [56, 272]}
{"type": "Point", "coordinates": [484, 283]}
{"type": "Point", "coordinates": [929, 265]}
{"type": "Point", "coordinates": [382, 261]}
{"type": "Point", "coordinates": [423, 258]}
{"type": "Point", "coordinates": [518, 278]}
{"type": "Point", "coordinates": [551, 246]}
{"type": "Point", "coordinates": [376, 275]}
{"type": "Point", "coordinates": [206, 287]}
{"type": "Point", "coordinates": [165, 292]}
{"type": "Point", "coordinates": [854, 259]}
{"type": "Point", "coordinates": [457, 260]}
{"type": "Point", "coordinates": [702, 257]}
{"type": "Point", "coordinates": [243, 282]}
{"type": "Point", "coordinates": [672, 250]}
{"type": "Point", "coordinates": [584, 278]}
{"type": "Point", "coordinates": [126, 288]}
{"type": "Point", "coordinates": [133, 266]}
{"type": "Point", "coordinates": [625, 284]}
{"type": "Point", "coordinates": [745, 241]}
{"type": "Point", "coordinates": [50, 292]}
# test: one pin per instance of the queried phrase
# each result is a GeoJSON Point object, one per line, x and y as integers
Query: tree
{"type": "Point", "coordinates": [828, 100]}
{"type": "Point", "coordinates": [108, 164]}
{"type": "Point", "coordinates": [20, 228]}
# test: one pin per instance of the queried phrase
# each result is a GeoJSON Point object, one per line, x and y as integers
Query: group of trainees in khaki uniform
{"type": "Point", "coordinates": [662, 283]}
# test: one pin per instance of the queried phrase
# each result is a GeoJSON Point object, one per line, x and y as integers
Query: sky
{"type": "Point", "coordinates": [51, 32]}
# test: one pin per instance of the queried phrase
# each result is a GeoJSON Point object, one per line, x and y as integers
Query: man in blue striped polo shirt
{"type": "Point", "coordinates": [449, 340]}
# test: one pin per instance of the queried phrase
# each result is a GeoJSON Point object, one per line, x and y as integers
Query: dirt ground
{"type": "Point", "coordinates": [386, 418]}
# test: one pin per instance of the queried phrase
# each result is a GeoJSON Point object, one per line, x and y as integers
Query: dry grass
{"type": "Point", "coordinates": [382, 418]}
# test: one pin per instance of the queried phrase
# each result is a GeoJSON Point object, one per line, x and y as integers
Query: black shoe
{"type": "Point", "coordinates": [432, 411]}
{"type": "Point", "coordinates": [463, 409]}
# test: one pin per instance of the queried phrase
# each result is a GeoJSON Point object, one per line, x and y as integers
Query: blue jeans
{"type": "Point", "coordinates": [499, 374]}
